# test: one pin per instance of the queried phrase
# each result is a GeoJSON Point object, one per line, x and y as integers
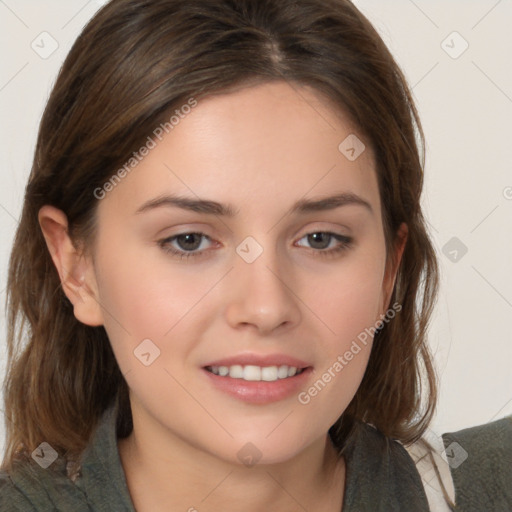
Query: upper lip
{"type": "Point", "coordinates": [259, 360]}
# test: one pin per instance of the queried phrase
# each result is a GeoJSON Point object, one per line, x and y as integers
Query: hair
{"type": "Point", "coordinates": [132, 65]}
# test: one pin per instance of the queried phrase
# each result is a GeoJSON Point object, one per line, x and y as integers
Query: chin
{"type": "Point", "coordinates": [262, 448]}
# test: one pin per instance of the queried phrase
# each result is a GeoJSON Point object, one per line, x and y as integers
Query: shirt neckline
{"type": "Point", "coordinates": [379, 473]}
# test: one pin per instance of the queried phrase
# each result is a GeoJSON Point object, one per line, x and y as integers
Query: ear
{"type": "Point", "coordinates": [393, 264]}
{"type": "Point", "coordinates": [75, 271]}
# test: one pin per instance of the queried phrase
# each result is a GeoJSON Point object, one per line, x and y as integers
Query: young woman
{"type": "Point", "coordinates": [221, 283]}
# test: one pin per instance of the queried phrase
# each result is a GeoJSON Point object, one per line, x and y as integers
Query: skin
{"type": "Point", "coordinates": [259, 149]}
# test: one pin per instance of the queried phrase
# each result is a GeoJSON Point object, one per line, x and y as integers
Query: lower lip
{"type": "Point", "coordinates": [259, 392]}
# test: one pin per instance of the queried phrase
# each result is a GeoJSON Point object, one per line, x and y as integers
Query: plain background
{"type": "Point", "coordinates": [464, 97]}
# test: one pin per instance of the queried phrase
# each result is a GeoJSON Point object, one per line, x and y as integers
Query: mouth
{"type": "Point", "coordinates": [258, 384]}
{"type": "Point", "coordinates": [253, 373]}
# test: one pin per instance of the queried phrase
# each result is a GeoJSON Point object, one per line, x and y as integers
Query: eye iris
{"type": "Point", "coordinates": [188, 237]}
{"type": "Point", "coordinates": [315, 238]}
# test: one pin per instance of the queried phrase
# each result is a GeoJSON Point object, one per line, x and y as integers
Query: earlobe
{"type": "Point", "coordinates": [75, 272]}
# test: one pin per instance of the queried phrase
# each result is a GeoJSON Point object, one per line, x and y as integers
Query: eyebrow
{"type": "Point", "coordinates": [210, 207]}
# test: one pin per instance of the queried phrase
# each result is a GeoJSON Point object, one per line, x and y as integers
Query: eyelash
{"type": "Point", "coordinates": [345, 244]}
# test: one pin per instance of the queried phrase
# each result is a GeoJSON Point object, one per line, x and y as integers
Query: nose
{"type": "Point", "coordinates": [261, 295]}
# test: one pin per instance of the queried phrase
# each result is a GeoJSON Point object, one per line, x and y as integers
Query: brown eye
{"type": "Point", "coordinates": [321, 240]}
{"type": "Point", "coordinates": [185, 245]}
{"type": "Point", "coordinates": [189, 241]}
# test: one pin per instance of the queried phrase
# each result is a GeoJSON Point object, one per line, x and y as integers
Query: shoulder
{"type": "Point", "coordinates": [94, 481]}
{"type": "Point", "coordinates": [29, 487]}
{"type": "Point", "coordinates": [12, 498]}
{"type": "Point", "coordinates": [480, 460]}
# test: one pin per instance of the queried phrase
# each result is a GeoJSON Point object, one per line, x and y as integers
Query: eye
{"type": "Point", "coordinates": [321, 240]}
{"type": "Point", "coordinates": [188, 243]}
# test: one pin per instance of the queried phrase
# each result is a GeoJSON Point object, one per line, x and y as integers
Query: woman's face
{"type": "Point", "coordinates": [257, 289]}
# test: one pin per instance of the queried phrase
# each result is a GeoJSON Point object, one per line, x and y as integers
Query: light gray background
{"type": "Point", "coordinates": [465, 103]}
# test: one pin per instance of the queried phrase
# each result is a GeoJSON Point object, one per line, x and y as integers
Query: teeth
{"type": "Point", "coordinates": [255, 373]}
{"type": "Point", "coordinates": [269, 373]}
{"type": "Point", "coordinates": [282, 372]}
{"type": "Point", "coordinates": [252, 373]}
{"type": "Point", "coordinates": [236, 372]}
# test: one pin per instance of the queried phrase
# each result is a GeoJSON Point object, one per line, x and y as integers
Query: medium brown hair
{"type": "Point", "coordinates": [135, 62]}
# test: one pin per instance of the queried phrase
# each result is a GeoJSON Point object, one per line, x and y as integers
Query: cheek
{"type": "Point", "coordinates": [146, 294]}
{"type": "Point", "coordinates": [346, 298]}
{"type": "Point", "coordinates": [141, 299]}
{"type": "Point", "coordinates": [333, 387]}
{"type": "Point", "coordinates": [350, 316]}
{"type": "Point", "coordinates": [348, 305]}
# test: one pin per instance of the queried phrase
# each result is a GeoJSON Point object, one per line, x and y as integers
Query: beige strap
{"type": "Point", "coordinates": [435, 475]}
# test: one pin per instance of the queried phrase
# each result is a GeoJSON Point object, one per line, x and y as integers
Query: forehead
{"type": "Point", "coordinates": [260, 148]}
